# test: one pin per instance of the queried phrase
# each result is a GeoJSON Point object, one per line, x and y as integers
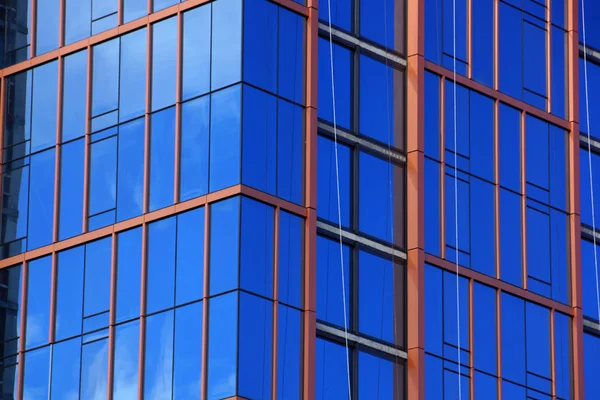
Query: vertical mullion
{"type": "Point", "coordinates": [119, 12]}
{"type": "Point", "coordinates": [469, 39]}
{"type": "Point", "coordinates": [58, 149]}
{"type": "Point", "coordinates": [497, 186]}
{"type": "Point", "coordinates": [548, 57]}
{"type": "Point", "coordinates": [178, 90]}
{"type": "Point", "coordinates": [86, 154]}
{"type": "Point", "coordinates": [147, 128]}
{"type": "Point", "coordinates": [471, 305]}
{"type": "Point", "coordinates": [204, 362]}
{"type": "Point", "coordinates": [496, 43]}
{"type": "Point", "coordinates": [2, 114]}
{"type": "Point", "coordinates": [23, 328]}
{"type": "Point", "coordinates": [275, 303]}
{"type": "Point", "coordinates": [61, 23]}
{"type": "Point", "coordinates": [499, 342]}
{"type": "Point", "coordinates": [552, 354]}
{"type": "Point", "coordinates": [442, 168]}
{"type": "Point", "coordinates": [523, 200]}
{"type": "Point", "coordinates": [112, 316]}
{"type": "Point", "coordinates": [53, 285]}
{"type": "Point", "coordinates": [33, 29]}
{"type": "Point", "coordinates": [143, 317]}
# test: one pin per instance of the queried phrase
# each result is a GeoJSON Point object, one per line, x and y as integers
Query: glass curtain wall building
{"type": "Point", "coordinates": [256, 199]}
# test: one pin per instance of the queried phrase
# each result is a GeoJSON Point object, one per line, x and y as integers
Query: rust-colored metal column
{"type": "Point", "coordinates": [415, 196]}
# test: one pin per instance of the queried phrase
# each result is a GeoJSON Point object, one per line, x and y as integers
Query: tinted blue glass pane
{"type": "Point", "coordinates": [432, 115]}
{"type": "Point", "coordinates": [289, 352]}
{"type": "Point", "coordinates": [513, 332]}
{"type": "Point", "coordinates": [130, 190]}
{"type": "Point", "coordinates": [342, 79]}
{"type": "Point", "coordinates": [534, 61]}
{"type": "Point", "coordinates": [105, 77]}
{"type": "Point", "coordinates": [433, 27]}
{"type": "Point", "coordinates": [290, 151]}
{"type": "Point", "coordinates": [558, 167]}
{"type": "Point", "coordinates": [562, 354]}
{"type": "Point", "coordinates": [462, 126]}
{"type": "Point", "coordinates": [376, 311]}
{"type": "Point", "coordinates": [510, 57]}
{"type": "Point", "coordinates": [510, 237]}
{"type": "Point", "coordinates": [16, 190]}
{"type": "Point", "coordinates": [35, 376]}
{"type": "Point", "coordinates": [290, 263]}
{"type": "Point", "coordinates": [255, 353]}
{"type": "Point", "coordinates": [74, 87]}
{"type": "Point", "coordinates": [129, 266]}
{"type": "Point", "coordinates": [188, 352]}
{"type": "Point", "coordinates": [484, 328]}
{"type": "Point", "coordinates": [41, 199]}
{"type": "Point", "coordinates": [222, 346]}
{"type": "Point", "coordinates": [97, 277]}
{"type": "Point", "coordinates": [224, 245]}
{"type": "Point", "coordinates": [593, 78]}
{"type": "Point", "coordinates": [195, 116]}
{"type": "Point", "coordinates": [18, 129]}
{"type": "Point", "coordinates": [102, 8]}
{"type": "Point", "coordinates": [537, 151]}
{"type": "Point", "coordinates": [332, 381]}
{"type": "Point", "coordinates": [486, 386]}
{"type": "Point", "coordinates": [47, 26]}
{"type": "Point", "coordinates": [375, 376]}
{"type": "Point", "coordinates": [66, 360]}
{"type": "Point", "coordinates": [164, 58]}
{"type": "Point", "coordinates": [481, 126]}
{"type": "Point", "coordinates": [196, 52]}
{"type": "Point", "coordinates": [510, 147]}
{"type": "Point", "coordinates": [340, 11]}
{"type": "Point", "coordinates": [8, 387]}
{"type": "Point", "coordinates": [133, 75]}
{"type": "Point", "coordinates": [189, 279]}
{"type": "Point", "coordinates": [226, 47]}
{"type": "Point", "coordinates": [538, 341]}
{"type": "Point", "coordinates": [463, 208]}
{"type": "Point", "coordinates": [483, 235]}
{"type": "Point", "coordinates": [434, 313]}
{"type": "Point", "coordinates": [327, 181]}
{"type": "Point", "coordinates": [291, 56]}
{"type": "Point", "coordinates": [94, 368]}
{"type": "Point", "coordinates": [450, 317]}
{"type": "Point", "coordinates": [38, 300]}
{"type": "Point", "coordinates": [559, 71]}
{"type": "Point", "coordinates": [43, 107]}
{"type": "Point", "coordinates": [538, 249]}
{"type": "Point", "coordinates": [559, 254]}
{"type": "Point", "coordinates": [585, 158]}
{"type": "Point", "coordinates": [103, 171]}
{"type": "Point", "coordinates": [160, 4]}
{"type": "Point", "coordinates": [434, 378]}
{"type": "Point", "coordinates": [10, 320]}
{"type": "Point", "coordinates": [260, 44]}
{"type": "Point", "coordinates": [259, 140]}
{"type": "Point", "coordinates": [377, 22]}
{"type": "Point", "coordinates": [454, 35]}
{"type": "Point", "coordinates": [225, 139]}
{"type": "Point", "coordinates": [591, 363]}
{"type": "Point", "coordinates": [512, 391]}
{"type": "Point", "coordinates": [432, 207]}
{"type": "Point", "coordinates": [592, 31]}
{"type": "Point", "coordinates": [162, 153]}
{"type": "Point", "coordinates": [451, 387]}
{"type": "Point", "coordinates": [330, 303]}
{"type": "Point", "coordinates": [134, 9]}
{"type": "Point", "coordinates": [158, 367]}
{"type": "Point", "coordinates": [78, 18]}
{"type": "Point", "coordinates": [69, 293]}
{"type": "Point", "coordinates": [105, 23]}
{"type": "Point", "coordinates": [161, 265]}
{"type": "Point", "coordinates": [588, 285]}
{"type": "Point", "coordinates": [126, 360]}
{"type": "Point", "coordinates": [256, 247]}
{"type": "Point", "coordinates": [483, 45]}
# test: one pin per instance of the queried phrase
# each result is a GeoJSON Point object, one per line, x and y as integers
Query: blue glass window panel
{"type": "Point", "coordinates": [376, 376]}
{"type": "Point", "coordinates": [255, 351]}
{"type": "Point", "coordinates": [259, 140]}
{"type": "Point", "coordinates": [464, 245]}
{"type": "Point", "coordinates": [342, 78]}
{"type": "Point", "coordinates": [74, 101]}
{"type": "Point", "coordinates": [126, 360]}
{"type": "Point", "coordinates": [327, 206]}
{"type": "Point", "coordinates": [78, 20]}
{"type": "Point", "coordinates": [538, 342]}
{"type": "Point", "coordinates": [510, 58]}
{"type": "Point", "coordinates": [513, 332]}
{"type": "Point", "coordinates": [482, 229]}
{"type": "Point", "coordinates": [8, 387]}
{"type": "Point", "coordinates": [38, 302]}
{"type": "Point", "coordinates": [376, 297]}
{"type": "Point", "coordinates": [16, 190]}
{"type": "Point", "coordinates": [256, 247]}
{"type": "Point", "coordinates": [130, 187]}
{"type": "Point", "coordinates": [559, 68]}
{"type": "Point", "coordinates": [260, 44]}
{"type": "Point", "coordinates": [591, 363]}
{"type": "Point", "coordinates": [330, 303]}
{"type": "Point", "coordinates": [18, 130]}
{"type": "Point", "coordinates": [451, 387]}
{"type": "Point", "coordinates": [105, 77]}
{"type": "Point", "coordinates": [290, 262]}
{"type": "Point", "coordinates": [450, 318]}
{"type": "Point", "coordinates": [593, 78]}
{"type": "Point", "coordinates": [562, 354]}
{"type": "Point", "coordinates": [558, 160]}
{"type": "Point", "coordinates": [454, 30]}
{"type": "Point", "coordinates": [290, 151]}
{"type": "Point", "coordinates": [10, 322]}
{"type": "Point", "coordinates": [129, 274]}
{"type": "Point", "coordinates": [512, 391]}
{"type": "Point", "coordinates": [538, 250]}
{"type": "Point", "coordinates": [226, 49]}
{"type": "Point", "coordinates": [161, 265]}
{"type": "Point", "coordinates": [592, 11]}
{"type": "Point", "coordinates": [94, 369]}
{"type": "Point", "coordinates": [377, 109]}
{"type": "Point", "coordinates": [510, 147]}
{"type": "Point", "coordinates": [224, 245]}
{"type": "Point", "coordinates": [377, 23]}
{"type": "Point", "coordinates": [481, 126]}
{"type": "Point", "coordinates": [222, 346]}
{"type": "Point", "coordinates": [483, 41]}
{"type": "Point", "coordinates": [35, 376]}
{"type": "Point", "coordinates": [47, 28]}
{"type": "Point", "coordinates": [462, 126]}
{"type": "Point", "coordinates": [187, 358]}
{"type": "Point", "coordinates": [534, 58]}
{"type": "Point", "coordinates": [432, 207]}
{"type": "Point", "coordinates": [434, 378]}
{"type": "Point", "coordinates": [588, 285]}
{"type": "Point", "coordinates": [132, 101]}
{"type": "Point", "coordinates": [164, 57]}
{"type": "Point", "coordinates": [291, 56]}
{"type": "Point", "coordinates": [103, 8]}
{"type": "Point", "coordinates": [101, 220]}
{"type": "Point", "coordinates": [189, 279]}
{"type": "Point", "coordinates": [331, 378]}
{"type": "Point", "coordinates": [41, 199]}
{"type": "Point", "coordinates": [43, 107]}
{"type": "Point", "coordinates": [510, 238]}
{"type": "Point", "coordinates": [537, 152]}
{"type": "Point", "coordinates": [104, 24]}
{"type": "Point", "coordinates": [103, 171]}
{"type": "Point", "coordinates": [434, 312]}
{"type": "Point", "coordinates": [194, 148]}
{"type": "Point", "coordinates": [433, 34]}
{"type": "Point", "coordinates": [69, 293]}
{"type": "Point", "coordinates": [340, 11]}
{"type": "Point", "coordinates": [66, 361]}
{"type": "Point", "coordinates": [486, 386]}
{"type": "Point", "coordinates": [134, 9]}
{"type": "Point", "coordinates": [289, 351]}
{"type": "Point", "coordinates": [97, 277]}
{"type": "Point", "coordinates": [586, 200]}
{"type": "Point", "coordinates": [162, 154]}
{"type": "Point", "coordinates": [559, 253]}
{"type": "Point", "coordinates": [159, 356]}
{"type": "Point", "coordinates": [432, 115]}
{"type": "Point", "coordinates": [196, 52]}
{"type": "Point", "coordinates": [376, 211]}
{"type": "Point", "coordinates": [160, 4]}
{"type": "Point", "coordinates": [484, 328]}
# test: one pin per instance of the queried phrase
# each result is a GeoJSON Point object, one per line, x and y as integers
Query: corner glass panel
{"type": "Point", "coordinates": [291, 259]}
{"type": "Point", "coordinates": [291, 56]}
{"type": "Point", "coordinates": [224, 245]}
{"type": "Point", "coordinates": [260, 44]}
{"type": "Point", "coordinates": [226, 49]}
{"type": "Point", "coordinates": [189, 279]}
{"type": "Point", "coordinates": [222, 346]}
{"type": "Point", "coordinates": [290, 152]}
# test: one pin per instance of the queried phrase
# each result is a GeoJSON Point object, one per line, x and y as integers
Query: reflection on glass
{"type": "Point", "coordinates": [289, 353]}
{"type": "Point", "coordinates": [222, 346]}
{"type": "Point", "coordinates": [129, 265]}
{"type": "Point", "coordinates": [134, 9]}
{"type": "Point", "coordinates": [38, 302]}
{"type": "Point", "coordinates": [43, 107]}
{"type": "Point", "coordinates": [226, 42]}
{"type": "Point", "coordinates": [66, 360]}
{"type": "Point", "coordinates": [78, 14]}
{"type": "Point", "coordinates": [164, 56]}
{"type": "Point", "coordinates": [130, 186]}
{"type": "Point", "coordinates": [47, 27]}
{"type": "Point", "coordinates": [162, 153]}
{"type": "Point", "coordinates": [195, 116]}
{"type": "Point", "coordinates": [94, 367]}
{"type": "Point", "coordinates": [159, 356]}
{"type": "Point", "coordinates": [126, 361]}
{"type": "Point", "coordinates": [188, 352]}
{"type": "Point", "coordinates": [36, 374]}
{"type": "Point", "coordinates": [189, 281]}
{"type": "Point", "coordinates": [69, 293]}
{"type": "Point", "coordinates": [10, 309]}
{"type": "Point", "coordinates": [71, 189]}
{"type": "Point", "coordinates": [41, 199]}
{"type": "Point", "coordinates": [224, 245]}
{"type": "Point", "coordinates": [161, 265]}
{"type": "Point", "coordinates": [196, 52]}
{"type": "Point", "coordinates": [132, 90]}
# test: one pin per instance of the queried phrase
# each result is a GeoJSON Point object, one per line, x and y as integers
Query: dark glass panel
{"type": "Point", "coordinates": [260, 44]}
{"type": "Point", "coordinates": [331, 371]}
{"type": "Point", "coordinates": [482, 17]}
{"type": "Point", "coordinates": [432, 207]}
{"type": "Point", "coordinates": [342, 79]}
{"type": "Point", "coordinates": [376, 377]}
{"type": "Point", "coordinates": [327, 181]}
{"type": "Point", "coordinates": [340, 12]}
{"type": "Point", "coordinates": [484, 331]}
{"type": "Point", "coordinates": [289, 353]}
{"type": "Point", "coordinates": [291, 56]}
{"type": "Point", "coordinates": [41, 199]}
{"type": "Point", "coordinates": [290, 151]}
